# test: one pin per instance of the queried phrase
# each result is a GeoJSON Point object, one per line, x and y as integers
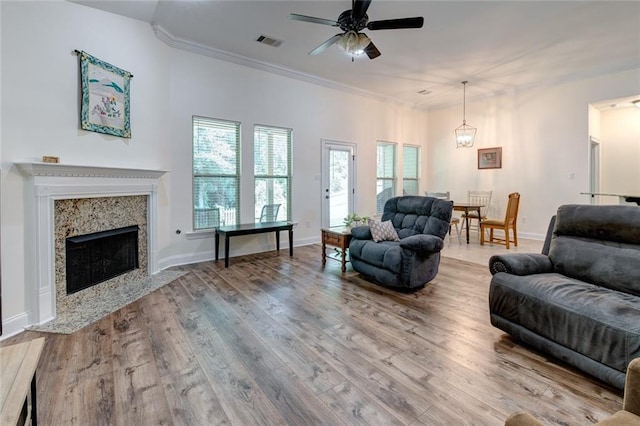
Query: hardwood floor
{"type": "Point", "coordinates": [278, 340]}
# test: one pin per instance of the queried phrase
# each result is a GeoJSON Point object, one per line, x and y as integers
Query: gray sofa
{"type": "Point", "coordinates": [580, 299]}
{"type": "Point", "coordinates": [408, 264]}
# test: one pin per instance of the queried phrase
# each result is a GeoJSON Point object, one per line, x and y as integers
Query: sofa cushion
{"type": "Point", "coordinates": [607, 264]}
{"type": "Point", "coordinates": [385, 254]}
{"type": "Point", "coordinates": [412, 215]}
{"type": "Point", "coordinates": [609, 223]}
{"type": "Point", "coordinates": [597, 322]}
{"type": "Point", "coordinates": [599, 245]}
{"type": "Point", "coordinates": [382, 231]}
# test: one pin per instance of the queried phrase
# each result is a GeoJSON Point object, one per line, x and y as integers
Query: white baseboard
{"type": "Point", "coordinates": [531, 236]}
{"type": "Point", "coordinates": [14, 325]}
{"type": "Point", "coordinates": [207, 255]}
{"type": "Point", "coordinates": [186, 259]}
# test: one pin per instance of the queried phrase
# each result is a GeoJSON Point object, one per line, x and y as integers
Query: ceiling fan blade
{"type": "Point", "coordinates": [312, 19]}
{"type": "Point", "coordinates": [372, 51]}
{"type": "Point", "coordinates": [326, 44]}
{"type": "Point", "coordinates": [393, 24]}
{"type": "Point", "coordinates": [359, 9]}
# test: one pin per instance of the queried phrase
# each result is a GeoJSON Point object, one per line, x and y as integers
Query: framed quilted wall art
{"type": "Point", "coordinates": [105, 97]}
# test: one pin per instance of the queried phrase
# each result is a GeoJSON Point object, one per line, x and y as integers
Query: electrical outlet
{"type": "Point", "coordinates": [307, 224]}
{"type": "Point", "coordinates": [524, 220]}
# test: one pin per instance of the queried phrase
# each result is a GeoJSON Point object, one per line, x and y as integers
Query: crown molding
{"type": "Point", "coordinates": [200, 49]}
{"type": "Point", "coordinates": [68, 170]}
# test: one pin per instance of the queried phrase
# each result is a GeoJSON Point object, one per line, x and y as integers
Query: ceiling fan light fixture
{"type": "Point", "coordinates": [636, 103]}
{"type": "Point", "coordinates": [465, 134]}
{"type": "Point", "coordinates": [354, 43]}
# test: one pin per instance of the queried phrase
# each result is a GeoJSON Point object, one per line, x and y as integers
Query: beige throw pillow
{"type": "Point", "coordinates": [383, 231]}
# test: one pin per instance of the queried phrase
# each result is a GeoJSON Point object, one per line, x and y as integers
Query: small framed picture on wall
{"type": "Point", "coordinates": [490, 158]}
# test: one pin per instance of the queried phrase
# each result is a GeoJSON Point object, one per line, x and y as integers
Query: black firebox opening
{"type": "Point", "coordinates": [100, 256]}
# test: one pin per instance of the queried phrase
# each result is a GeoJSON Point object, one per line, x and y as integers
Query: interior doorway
{"type": "Point", "coordinates": [338, 181]}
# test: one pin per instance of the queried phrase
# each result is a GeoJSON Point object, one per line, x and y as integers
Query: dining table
{"type": "Point", "coordinates": [466, 208]}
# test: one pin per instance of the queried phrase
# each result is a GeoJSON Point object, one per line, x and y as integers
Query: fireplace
{"type": "Point", "coordinates": [70, 201]}
{"type": "Point", "coordinates": [81, 221]}
{"type": "Point", "coordinates": [99, 256]}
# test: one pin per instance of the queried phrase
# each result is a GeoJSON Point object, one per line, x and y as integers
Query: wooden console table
{"type": "Point", "coordinates": [337, 237]}
{"type": "Point", "coordinates": [17, 377]}
{"type": "Point", "coordinates": [249, 229]}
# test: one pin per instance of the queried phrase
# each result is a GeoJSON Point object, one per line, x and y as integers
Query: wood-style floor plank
{"type": "Point", "coordinates": [139, 392]}
{"type": "Point", "coordinates": [281, 340]}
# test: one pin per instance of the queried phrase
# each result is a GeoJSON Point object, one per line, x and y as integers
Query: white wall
{"type": "Point", "coordinates": [544, 135]}
{"type": "Point", "coordinates": [40, 114]}
{"type": "Point", "coordinates": [40, 110]}
{"type": "Point", "coordinates": [212, 88]}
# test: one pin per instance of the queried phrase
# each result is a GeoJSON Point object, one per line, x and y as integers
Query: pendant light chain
{"type": "Point", "coordinates": [464, 102]}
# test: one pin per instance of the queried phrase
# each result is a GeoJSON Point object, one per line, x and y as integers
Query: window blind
{"type": "Point", "coordinates": [272, 172]}
{"type": "Point", "coordinates": [216, 172]}
{"type": "Point", "coordinates": [410, 169]}
{"type": "Point", "coordinates": [386, 173]}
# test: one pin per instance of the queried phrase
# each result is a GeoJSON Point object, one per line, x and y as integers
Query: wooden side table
{"type": "Point", "coordinates": [17, 377]}
{"type": "Point", "coordinates": [337, 237]}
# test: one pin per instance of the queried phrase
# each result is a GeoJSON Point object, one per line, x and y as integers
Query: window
{"type": "Point", "coordinates": [272, 173]}
{"type": "Point", "coordinates": [410, 169]}
{"type": "Point", "coordinates": [386, 174]}
{"type": "Point", "coordinates": [216, 173]}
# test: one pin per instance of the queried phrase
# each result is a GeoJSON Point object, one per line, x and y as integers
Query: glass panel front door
{"type": "Point", "coordinates": [338, 182]}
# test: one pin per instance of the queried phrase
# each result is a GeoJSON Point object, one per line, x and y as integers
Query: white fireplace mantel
{"type": "Point", "coordinates": [54, 181]}
{"type": "Point", "coordinates": [68, 170]}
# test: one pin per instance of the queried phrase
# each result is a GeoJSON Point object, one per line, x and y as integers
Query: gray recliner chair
{"type": "Point", "coordinates": [421, 224]}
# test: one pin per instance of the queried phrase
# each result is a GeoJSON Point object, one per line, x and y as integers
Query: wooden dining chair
{"type": "Point", "coordinates": [509, 222]}
{"type": "Point", "coordinates": [481, 198]}
{"type": "Point", "coordinates": [455, 221]}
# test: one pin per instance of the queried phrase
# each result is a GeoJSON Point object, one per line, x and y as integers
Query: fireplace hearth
{"type": "Point", "coordinates": [99, 256]}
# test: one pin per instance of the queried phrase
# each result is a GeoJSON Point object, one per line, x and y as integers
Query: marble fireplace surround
{"type": "Point", "coordinates": [50, 182]}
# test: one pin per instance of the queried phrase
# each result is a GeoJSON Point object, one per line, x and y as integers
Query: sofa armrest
{"type": "Point", "coordinates": [361, 232]}
{"type": "Point", "coordinates": [422, 243]}
{"type": "Point", "coordinates": [632, 388]}
{"type": "Point", "coordinates": [520, 264]}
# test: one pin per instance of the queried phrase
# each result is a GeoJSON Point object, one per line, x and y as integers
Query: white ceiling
{"type": "Point", "coordinates": [498, 46]}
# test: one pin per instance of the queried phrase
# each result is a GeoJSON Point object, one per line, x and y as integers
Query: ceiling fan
{"type": "Point", "coordinates": [351, 22]}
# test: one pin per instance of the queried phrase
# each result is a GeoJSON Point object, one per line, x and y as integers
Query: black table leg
{"type": "Point", "coordinates": [291, 242]}
{"type": "Point", "coordinates": [479, 221]}
{"type": "Point", "coordinates": [226, 251]}
{"type": "Point", "coordinates": [217, 244]}
{"type": "Point", "coordinates": [34, 402]}
{"type": "Point", "coordinates": [278, 241]}
{"type": "Point", "coordinates": [466, 220]}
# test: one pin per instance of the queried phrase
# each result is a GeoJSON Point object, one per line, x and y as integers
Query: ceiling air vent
{"type": "Point", "coordinates": [269, 41]}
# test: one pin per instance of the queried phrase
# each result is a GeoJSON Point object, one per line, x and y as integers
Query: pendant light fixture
{"type": "Point", "coordinates": [465, 134]}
